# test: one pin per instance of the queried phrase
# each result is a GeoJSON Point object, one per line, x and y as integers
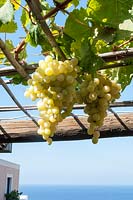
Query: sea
{"type": "Point", "coordinates": [71, 192]}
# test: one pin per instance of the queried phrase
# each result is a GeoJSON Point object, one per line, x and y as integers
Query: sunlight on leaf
{"type": "Point", "coordinates": [16, 4]}
{"type": "Point", "coordinates": [6, 13]}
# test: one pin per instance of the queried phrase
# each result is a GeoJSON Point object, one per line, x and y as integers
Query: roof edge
{"type": "Point", "coordinates": [9, 164]}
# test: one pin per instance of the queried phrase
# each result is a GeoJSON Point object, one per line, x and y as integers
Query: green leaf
{"type": "Point", "coordinates": [10, 27]}
{"type": "Point", "coordinates": [24, 82]}
{"type": "Point", "coordinates": [89, 62]}
{"type": "Point", "coordinates": [64, 41]}
{"type": "Point", "coordinates": [44, 5]}
{"type": "Point", "coordinates": [32, 36]}
{"type": "Point", "coordinates": [59, 1]}
{"type": "Point", "coordinates": [106, 33]}
{"type": "Point", "coordinates": [102, 47]}
{"type": "Point", "coordinates": [112, 12]}
{"type": "Point", "coordinates": [76, 25]}
{"type": "Point", "coordinates": [25, 18]}
{"type": "Point", "coordinates": [122, 75]}
{"type": "Point", "coordinates": [17, 79]}
{"type": "Point", "coordinates": [37, 37]}
{"type": "Point", "coordinates": [2, 2]}
{"type": "Point", "coordinates": [9, 45]}
{"type": "Point", "coordinates": [125, 75]}
{"type": "Point", "coordinates": [6, 12]}
{"type": "Point", "coordinates": [23, 54]}
{"type": "Point", "coordinates": [75, 2]}
{"type": "Point", "coordinates": [75, 48]}
{"type": "Point", "coordinates": [2, 55]}
{"type": "Point", "coordinates": [123, 35]}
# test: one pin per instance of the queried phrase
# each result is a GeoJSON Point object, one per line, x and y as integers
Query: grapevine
{"type": "Point", "coordinates": [89, 30]}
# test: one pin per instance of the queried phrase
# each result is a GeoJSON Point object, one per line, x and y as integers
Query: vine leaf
{"type": "Point", "coordinates": [75, 2]}
{"type": "Point", "coordinates": [65, 41]}
{"type": "Point", "coordinates": [106, 33]}
{"type": "Point", "coordinates": [10, 27]}
{"type": "Point", "coordinates": [122, 75]}
{"type": "Point", "coordinates": [6, 12]}
{"type": "Point", "coordinates": [2, 2]}
{"type": "Point", "coordinates": [37, 37]}
{"type": "Point", "coordinates": [17, 79]}
{"type": "Point", "coordinates": [9, 45]}
{"type": "Point", "coordinates": [111, 12]}
{"type": "Point", "coordinates": [2, 56]}
{"type": "Point", "coordinates": [23, 54]}
{"type": "Point", "coordinates": [25, 18]}
{"type": "Point", "coordinates": [89, 62]}
{"type": "Point", "coordinates": [32, 37]}
{"type": "Point", "coordinates": [3, 59]}
{"type": "Point", "coordinates": [16, 4]}
{"type": "Point", "coordinates": [125, 75]}
{"type": "Point", "coordinates": [76, 25]}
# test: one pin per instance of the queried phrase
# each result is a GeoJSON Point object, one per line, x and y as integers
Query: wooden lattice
{"type": "Point", "coordinates": [72, 128]}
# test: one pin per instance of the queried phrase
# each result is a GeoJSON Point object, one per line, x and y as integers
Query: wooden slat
{"type": "Point", "coordinates": [26, 131]}
{"type": "Point", "coordinates": [107, 57]}
{"type": "Point", "coordinates": [75, 107]}
{"type": "Point", "coordinates": [9, 70]}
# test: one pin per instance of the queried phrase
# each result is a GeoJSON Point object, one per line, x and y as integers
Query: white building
{"type": "Point", "coordinates": [23, 197]}
{"type": "Point", "coordinates": [9, 177]}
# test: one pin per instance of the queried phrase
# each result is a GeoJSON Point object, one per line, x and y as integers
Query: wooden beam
{"type": "Point", "coordinates": [9, 70]}
{"type": "Point", "coordinates": [26, 131]}
{"type": "Point", "coordinates": [117, 55]}
{"type": "Point", "coordinates": [107, 57]}
{"type": "Point", "coordinates": [75, 107]}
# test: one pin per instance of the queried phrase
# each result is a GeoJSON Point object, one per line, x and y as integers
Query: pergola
{"type": "Point", "coordinates": [72, 128]}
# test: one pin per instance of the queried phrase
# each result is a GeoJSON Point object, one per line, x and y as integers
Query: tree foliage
{"type": "Point", "coordinates": [98, 27]}
{"type": "Point", "coordinates": [13, 195]}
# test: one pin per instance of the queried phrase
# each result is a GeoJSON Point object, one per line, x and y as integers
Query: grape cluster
{"type": "Point", "coordinates": [97, 92]}
{"type": "Point", "coordinates": [54, 83]}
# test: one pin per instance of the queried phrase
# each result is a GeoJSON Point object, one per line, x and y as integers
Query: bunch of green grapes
{"type": "Point", "coordinates": [97, 93]}
{"type": "Point", "coordinates": [54, 83]}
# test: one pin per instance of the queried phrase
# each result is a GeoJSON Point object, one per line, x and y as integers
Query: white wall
{"type": "Point", "coordinates": [8, 169]}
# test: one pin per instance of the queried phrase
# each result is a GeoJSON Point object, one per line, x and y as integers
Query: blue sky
{"type": "Point", "coordinates": [109, 162]}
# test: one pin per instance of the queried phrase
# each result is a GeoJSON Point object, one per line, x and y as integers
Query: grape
{"type": "Point", "coordinates": [94, 140]}
{"type": "Point", "coordinates": [54, 84]}
{"type": "Point", "coordinates": [97, 93]}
